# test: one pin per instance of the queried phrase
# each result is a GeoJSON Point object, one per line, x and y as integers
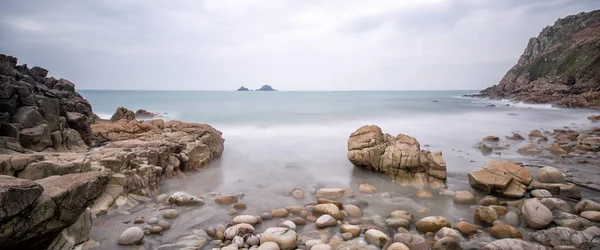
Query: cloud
{"type": "Point", "coordinates": [292, 45]}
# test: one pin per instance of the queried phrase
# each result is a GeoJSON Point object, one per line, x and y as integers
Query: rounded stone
{"type": "Point", "coordinates": [536, 215]}
{"type": "Point", "coordinates": [431, 224]}
{"type": "Point", "coordinates": [321, 247]}
{"type": "Point", "coordinates": [550, 175]}
{"type": "Point", "coordinates": [238, 230]}
{"type": "Point", "coordinates": [289, 224]}
{"type": "Point", "coordinates": [512, 219]}
{"type": "Point", "coordinates": [465, 228]}
{"type": "Point", "coordinates": [401, 214]}
{"type": "Point", "coordinates": [347, 236]}
{"type": "Point", "coordinates": [268, 246]}
{"type": "Point", "coordinates": [164, 224]}
{"type": "Point", "coordinates": [152, 220]}
{"type": "Point", "coordinates": [397, 222]}
{"type": "Point", "coordinates": [131, 236]}
{"type": "Point", "coordinates": [354, 230]}
{"type": "Point", "coordinates": [488, 200]}
{"type": "Point", "coordinates": [505, 231]}
{"type": "Point", "coordinates": [447, 243]}
{"type": "Point", "coordinates": [266, 216]}
{"type": "Point", "coordinates": [139, 220]}
{"type": "Point", "coordinates": [398, 246]}
{"type": "Point", "coordinates": [330, 209]}
{"type": "Point", "coordinates": [279, 213]}
{"type": "Point", "coordinates": [210, 231]}
{"type": "Point", "coordinates": [464, 197]}
{"type": "Point", "coordinates": [501, 210]}
{"type": "Point", "coordinates": [376, 237]}
{"type": "Point", "coordinates": [284, 237]}
{"type": "Point", "coordinates": [299, 221]}
{"type": "Point", "coordinates": [156, 230]}
{"type": "Point", "coordinates": [248, 219]}
{"type": "Point", "coordinates": [591, 215]}
{"type": "Point", "coordinates": [298, 194]}
{"type": "Point", "coordinates": [353, 210]}
{"type": "Point", "coordinates": [170, 214]}
{"type": "Point", "coordinates": [226, 199]}
{"type": "Point", "coordinates": [294, 209]}
{"type": "Point", "coordinates": [424, 194]}
{"type": "Point", "coordinates": [326, 221]}
{"type": "Point", "coordinates": [485, 214]}
{"type": "Point", "coordinates": [239, 206]}
{"type": "Point", "coordinates": [540, 193]}
{"type": "Point", "coordinates": [413, 242]}
{"type": "Point", "coordinates": [367, 189]}
{"type": "Point", "coordinates": [448, 232]}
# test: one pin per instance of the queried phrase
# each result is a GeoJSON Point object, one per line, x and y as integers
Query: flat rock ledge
{"type": "Point", "coordinates": [34, 213]}
{"type": "Point", "coordinates": [400, 158]}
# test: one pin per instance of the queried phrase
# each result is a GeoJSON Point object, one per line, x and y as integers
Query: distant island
{"type": "Point", "coordinates": [266, 88]}
{"type": "Point", "coordinates": [242, 88]}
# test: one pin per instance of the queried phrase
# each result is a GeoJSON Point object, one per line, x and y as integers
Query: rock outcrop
{"type": "Point", "coordinates": [400, 158]}
{"type": "Point", "coordinates": [501, 177]}
{"type": "Point", "coordinates": [266, 88]}
{"type": "Point", "coordinates": [242, 88]}
{"type": "Point", "coordinates": [39, 112]}
{"type": "Point", "coordinates": [34, 213]}
{"type": "Point", "coordinates": [561, 65]}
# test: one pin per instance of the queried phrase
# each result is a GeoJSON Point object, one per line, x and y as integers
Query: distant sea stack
{"type": "Point", "coordinates": [242, 88]}
{"type": "Point", "coordinates": [266, 88]}
{"type": "Point", "coordinates": [561, 66]}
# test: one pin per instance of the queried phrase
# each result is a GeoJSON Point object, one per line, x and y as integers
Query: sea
{"type": "Point", "coordinates": [275, 141]}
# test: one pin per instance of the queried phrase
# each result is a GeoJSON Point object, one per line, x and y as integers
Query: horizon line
{"type": "Point", "coordinates": [339, 90]}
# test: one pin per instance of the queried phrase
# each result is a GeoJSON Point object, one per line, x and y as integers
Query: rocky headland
{"type": "Point", "coordinates": [560, 66]}
{"type": "Point", "coordinates": [266, 88]}
{"type": "Point", "coordinates": [53, 182]}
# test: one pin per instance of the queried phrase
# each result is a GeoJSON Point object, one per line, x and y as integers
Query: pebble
{"type": "Point", "coordinates": [298, 194]}
{"type": "Point", "coordinates": [591, 215]}
{"type": "Point", "coordinates": [321, 246]}
{"type": "Point", "coordinates": [299, 221]}
{"type": "Point", "coordinates": [505, 231]}
{"type": "Point", "coordinates": [512, 219]}
{"type": "Point", "coordinates": [354, 230]}
{"type": "Point", "coordinates": [424, 194]}
{"type": "Point", "coordinates": [294, 209]}
{"type": "Point", "coordinates": [164, 224]}
{"type": "Point", "coordinates": [131, 236]}
{"type": "Point", "coordinates": [156, 230]}
{"type": "Point", "coordinates": [431, 224]}
{"type": "Point", "coordinates": [248, 219]}
{"type": "Point", "coordinates": [219, 235]}
{"type": "Point", "coordinates": [170, 214]}
{"type": "Point", "coordinates": [397, 222]}
{"type": "Point", "coordinates": [239, 205]}
{"type": "Point", "coordinates": [401, 214]}
{"type": "Point", "coordinates": [464, 197]}
{"type": "Point", "coordinates": [385, 195]}
{"type": "Point", "coordinates": [226, 199]}
{"type": "Point", "coordinates": [210, 231]}
{"type": "Point", "coordinates": [239, 241]}
{"type": "Point", "coordinates": [488, 200]}
{"type": "Point", "coordinates": [279, 213]}
{"type": "Point", "coordinates": [500, 209]}
{"type": "Point", "coordinates": [326, 221]}
{"type": "Point", "coordinates": [268, 246]}
{"type": "Point", "coordinates": [266, 216]}
{"type": "Point", "coordinates": [367, 189]}
{"type": "Point", "coordinates": [376, 237]}
{"type": "Point", "coordinates": [347, 236]}
{"type": "Point", "coordinates": [289, 224]}
{"type": "Point", "coordinates": [251, 240]}
{"type": "Point", "coordinates": [152, 220]}
{"type": "Point", "coordinates": [139, 220]}
{"type": "Point", "coordinates": [232, 212]}
{"type": "Point", "coordinates": [541, 193]}
{"type": "Point", "coordinates": [485, 214]}
{"type": "Point", "coordinates": [398, 246]}
{"type": "Point", "coordinates": [446, 243]}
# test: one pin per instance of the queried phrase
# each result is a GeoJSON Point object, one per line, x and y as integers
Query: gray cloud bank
{"type": "Point", "coordinates": [291, 45]}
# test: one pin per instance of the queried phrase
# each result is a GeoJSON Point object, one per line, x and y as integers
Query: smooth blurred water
{"type": "Point", "coordinates": [280, 140]}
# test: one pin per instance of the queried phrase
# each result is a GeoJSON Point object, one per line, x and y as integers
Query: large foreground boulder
{"type": "Point", "coordinates": [501, 177]}
{"type": "Point", "coordinates": [60, 205]}
{"type": "Point", "coordinates": [400, 158]}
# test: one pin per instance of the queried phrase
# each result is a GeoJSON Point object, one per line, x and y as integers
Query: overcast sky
{"type": "Point", "coordinates": [291, 45]}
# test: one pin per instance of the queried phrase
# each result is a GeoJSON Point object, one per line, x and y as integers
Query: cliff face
{"type": "Point", "coordinates": [560, 66]}
{"type": "Point", "coordinates": [39, 112]}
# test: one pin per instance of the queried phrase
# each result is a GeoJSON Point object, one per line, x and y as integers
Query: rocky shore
{"type": "Point", "coordinates": [559, 66]}
{"type": "Point", "coordinates": [61, 165]}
